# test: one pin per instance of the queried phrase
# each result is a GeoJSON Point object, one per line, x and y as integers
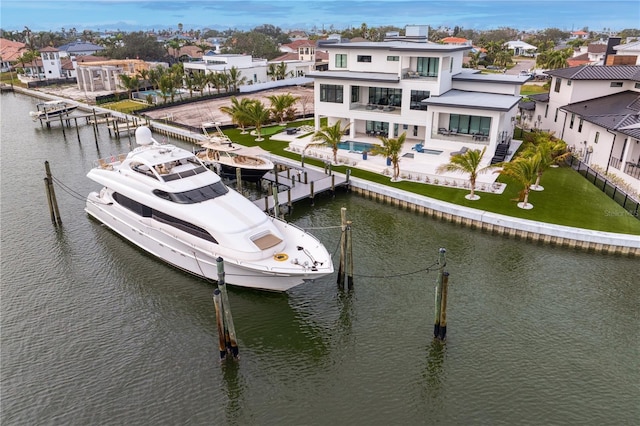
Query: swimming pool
{"type": "Point", "coordinates": [356, 146]}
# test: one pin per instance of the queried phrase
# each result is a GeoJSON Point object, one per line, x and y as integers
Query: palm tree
{"type": "Point", "coordinates": [257, 114]}
{"type": "Point", "coordinates": [235, 79]}
{"type": "Point", "coordinates": [468, 163]}
{"type": "Point", "coordinates": [524, 170]}
{"type": "Point", "coordinates": [330, 136]}
{"type": "Point", "coordinates": [238, 112]}
{"type": "Point", "coordinates": [130, 83]}
{"type": "Point", "coordinates": [280, 104]}
{"type": "Point", "coordinates": [550, 151]}
{"type": "Point", "coordinates": [272, 71]}
{"type": "Point", "coordinates": [391, 149]}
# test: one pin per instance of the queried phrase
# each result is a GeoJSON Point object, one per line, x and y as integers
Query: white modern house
{"type": "Point", "coordinates": [414, 86]}
{"type": "Point", "coordinates": [520, 48]}
{"type": "Point", "coordinates": [255, 70]}
{"type": "Point", "coordinates": [596, 111]}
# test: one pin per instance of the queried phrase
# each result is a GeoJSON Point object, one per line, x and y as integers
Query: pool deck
{"type": "Point", "coordinates": [415, 166]}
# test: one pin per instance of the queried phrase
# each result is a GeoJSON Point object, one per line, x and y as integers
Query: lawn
{"type": "Point", "coordinates": [568, 198]}
{"type": "Point", "coordinates": [532, 89]}
{"type": "Point", "coordinates": [126, 106]}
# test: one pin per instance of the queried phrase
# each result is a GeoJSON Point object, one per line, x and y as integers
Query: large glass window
{"type": "Point", "coordinates": [331, 93]}
{"type": "Point", "coordinates": [355, 94]}
{"type": "Point", "coordinates": [385, 96]}
{"type": "Point", "coordinates": [341, 60]}
{"type": "Point", "coordinates": [469, 124]}
{"type": "Point", "coordinates": [416, 99]}
{"type": "Point", "coordinates": [364, 58]}
{"type": "Point", "coordinates": [428, 67]}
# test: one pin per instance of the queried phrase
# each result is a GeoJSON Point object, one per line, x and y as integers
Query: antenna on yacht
{"type": "Point", "coordinates": [143, 136]}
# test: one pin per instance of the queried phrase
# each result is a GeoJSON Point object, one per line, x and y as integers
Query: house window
{"type": "Point", "coordinates": [469, 124]}
{"type": "Point", "coordinates": [568, 82]}
{"type": "Point", "coordinates": [331, 93]}
{"type": "Point", "coordinates": [385, 96]}
{"type": "Point", "coordinates": [616, 84]}
{"type": "Point", "coordinates": [546, 111]}
{"type": "Point", "coordinates": [555, 118]}
{"type": "Point", "coordinates": [573, 117]}
{"type": "Point", "coordinates": [580, 126]}
{"type": "Point", "coordinates": [428, 67]}
{"type": "Point", "coordinates": [393, 58]}
{"type": "Point", "coordinates": [416, 99]}
{"type": "Point", "coordinates": [597, 137]}
{"type": "Point", "coordinates": [637, 86]}
{"type": "Point", "coordinates": [451, 65]}
{"type": "Point", "coordinates": [556, 88]}
{"type": "Point", "coordinates": [341, 60]}
{"type": "Point", "coordinates": [364, 58]}
{"type": "Point", "coordinates": [355, 94]}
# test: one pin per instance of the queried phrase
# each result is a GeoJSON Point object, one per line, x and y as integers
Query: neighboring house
{"type": "Point", "coordinates": [583, 35]}
{"type": "Point", "coordinates": [456, 41]}
{"type": "Point", "coordinates": [419, 88]}
{"type": "Point", "coordinates": [297, 35]}
{"type": "Point", "coordinates": [79, 48]}
{"type": "Point", "coordinates": [188, 53]}
{"type": "Point", "coordinates": [520, 48]}
{"type": "Point", "coordinates": [626, 54]}
{"type": "Point", "coordinates": [302, 57]}
{"type": "Point", "coordinates": [592, 54]}
{"type": "Point", "coordinates": [10, 51]}
{"type": "Point", "coordinates": [255, 70]}
{"type": "Point", "coordinates": [103, 75]}
{"type": "Point", "coordinates": [596, 110]}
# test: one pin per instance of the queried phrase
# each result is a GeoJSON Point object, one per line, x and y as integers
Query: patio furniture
{"type": "Point", "coordinates": [443, 131]}
{"type": "Point", "coordinates": [419, 147]}
{"type": "Point", "coordinates": [462, 151]}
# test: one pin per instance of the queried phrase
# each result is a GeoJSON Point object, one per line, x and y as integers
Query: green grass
{"type": "Point", "coordinates": [126, 106]}
{"type": "Point", "coordinates": [532, 89]}
{"type": "Point", "coordinates": [568, 198]}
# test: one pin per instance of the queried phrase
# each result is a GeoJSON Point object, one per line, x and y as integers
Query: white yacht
{"type": "Point", "coordinates": [226, 157]}
{"type": "Point", "coordinates": [163, 199]}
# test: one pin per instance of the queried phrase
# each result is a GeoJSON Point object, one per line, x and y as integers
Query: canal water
{"type": "Point", "coordinates": [94, 331]}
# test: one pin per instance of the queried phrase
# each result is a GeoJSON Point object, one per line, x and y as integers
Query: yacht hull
{"type": "Point", "coordinates": [144, 233]}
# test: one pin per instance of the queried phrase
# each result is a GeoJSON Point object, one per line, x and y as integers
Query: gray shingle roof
{"type": "Point", "coordinates": [615, 72]}
{"type": "Point", "coordinates": [613, 112]}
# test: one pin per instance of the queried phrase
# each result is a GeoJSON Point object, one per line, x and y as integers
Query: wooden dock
{"type": "Point", "coordinates": [300, 183]}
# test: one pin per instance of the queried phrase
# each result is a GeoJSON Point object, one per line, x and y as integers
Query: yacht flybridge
{"type": "Point", "coordinates": [163, 199]}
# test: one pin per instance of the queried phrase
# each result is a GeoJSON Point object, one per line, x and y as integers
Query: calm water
{"type": "Point", "coordinates": [96, 332]}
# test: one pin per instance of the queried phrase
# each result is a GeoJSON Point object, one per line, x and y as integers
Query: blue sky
{"type": "Point", "coordinates": [132, 15]}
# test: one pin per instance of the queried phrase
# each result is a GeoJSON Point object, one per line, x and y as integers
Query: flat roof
{"type": "Point", "coordinates": [353, 75]}
{"type": "Point", "coordinates": [399, 46]}
{"type": "Point", "coordinates": [477, 100]}
{"type": "Point", "coordinates": [492, 78]}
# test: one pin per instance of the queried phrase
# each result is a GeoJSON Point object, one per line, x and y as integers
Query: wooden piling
{"type": "Point", "coordinates": [222, 344]}
{"type": "Point", "coordinates": [311, 193]}
{"type": "Point", "coordinates": [64, 134]}
{"type": "Point", "coordinates": [343, 246]}
{"type": "Point", "coordinates": [77, 129]}
{"type": "Point", "coordinates": [442, 334]}
{"type": "Point", "coordinates": [438, 301]}
{"type": "Point", "coordinates": [349, 257]}
{"type": "Point", "coordinates": [51, 196]}
{"type": "Point", "coordinates": [276, 204]}
{"type": "Point", "coordinates": [230, 335]}
{"type": "Point", "coordinates": [239, 179]}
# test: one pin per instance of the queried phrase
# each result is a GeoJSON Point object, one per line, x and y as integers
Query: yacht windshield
{"type": "Point", "coordinates": [193, 196]}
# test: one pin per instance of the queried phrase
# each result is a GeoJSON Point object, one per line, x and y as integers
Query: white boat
{"type": "Point", "coordinates": [163, 199]}
{"type": "Point", "coordinates": [52, 109]}
{"type": "Point", "coordinates": [226, 157]}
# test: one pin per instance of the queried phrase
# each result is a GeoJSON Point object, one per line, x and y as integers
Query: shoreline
{"type": "Point", "coordinates": [498, 224]}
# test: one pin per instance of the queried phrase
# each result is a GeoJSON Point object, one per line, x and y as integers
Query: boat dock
{"type": "Point", "coordinates": [299, 182]}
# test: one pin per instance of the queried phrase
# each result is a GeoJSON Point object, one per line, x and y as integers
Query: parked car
{"type": "Point", "coordinates": [525, 73]}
